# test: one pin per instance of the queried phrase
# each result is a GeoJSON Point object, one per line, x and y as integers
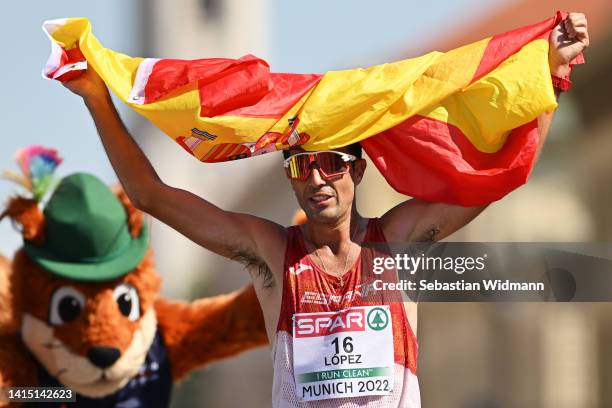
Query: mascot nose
{"type": "Point", "coordinates": [103, 356]}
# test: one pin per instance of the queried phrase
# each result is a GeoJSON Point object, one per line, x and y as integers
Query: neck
{"type": "Point", "coordinates": [334, 235]}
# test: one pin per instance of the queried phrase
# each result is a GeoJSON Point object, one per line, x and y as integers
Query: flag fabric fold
{"type": "Point", "coordinates": [457, 127]}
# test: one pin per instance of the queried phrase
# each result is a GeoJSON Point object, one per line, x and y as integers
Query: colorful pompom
{"type": "Point", "coordinates": [37, 164]}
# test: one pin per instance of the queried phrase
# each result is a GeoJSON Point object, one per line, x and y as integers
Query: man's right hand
{"type": "Point", "coordinates": [88, 85]}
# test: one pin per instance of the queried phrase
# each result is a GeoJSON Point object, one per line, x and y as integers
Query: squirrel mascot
{"type": "Point", "coordinates": [80, 305]}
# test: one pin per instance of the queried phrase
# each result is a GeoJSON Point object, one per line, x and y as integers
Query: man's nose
{"type": "Point", "coordinates": [315, 176]}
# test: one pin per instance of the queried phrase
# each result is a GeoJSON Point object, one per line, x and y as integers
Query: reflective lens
{"type": "Point", "coordinates": [329, 163]}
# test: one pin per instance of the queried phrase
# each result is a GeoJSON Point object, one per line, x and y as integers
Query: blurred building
{"type": "Point", "coordinates": [192, 29]}
{"type": "Point", "coordinates": [533, 355]}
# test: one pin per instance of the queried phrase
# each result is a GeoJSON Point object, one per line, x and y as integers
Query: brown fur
{"type": "Point", "coordinates": [135, 217]}
{"type": "Point", "coordinates": [27, 215]}
{"type": "Point", "coordinates": [7, 317]}
{"type": "Point", "coordinates": [16, 367]}
{"type": "Point", "coordinates": [100, 323]}
{"type": "Point", "coordinates": [226, 324]}
{"type": "Point", "coordinates": [194, 333]}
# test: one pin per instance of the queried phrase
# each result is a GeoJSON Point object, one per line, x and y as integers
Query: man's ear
{"type": "Point", "coordinates": [135, 217]}
{"type": "Point", "coordinates": [27, 217]}
{"type": "Point", "coordinates": [359, 167]}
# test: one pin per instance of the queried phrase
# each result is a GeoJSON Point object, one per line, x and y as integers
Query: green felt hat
{"type": "Point", "coordinates": [86, 233]}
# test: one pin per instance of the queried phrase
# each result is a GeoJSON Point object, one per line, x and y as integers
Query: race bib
{"type": "Point", "coordinates": [343, 354]}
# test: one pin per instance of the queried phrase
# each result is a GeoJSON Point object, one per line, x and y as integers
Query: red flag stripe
{"type": "Point", "coordinates": [243, 87]}
{"type": "Point", "coordinates": [502, 46]}
{"type": "Point", "coordinates": [168, 75]}
{"type": "Point", "coordinates": [434, 161]}
{"type": "Point", "coordinates": [287, 89]}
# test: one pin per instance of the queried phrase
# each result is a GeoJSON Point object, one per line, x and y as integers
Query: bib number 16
{"type": "Point", "coordinates": [347, 345]}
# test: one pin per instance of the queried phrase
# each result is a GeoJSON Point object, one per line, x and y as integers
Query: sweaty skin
{"type": "Point", "coordinates": [333, 228]}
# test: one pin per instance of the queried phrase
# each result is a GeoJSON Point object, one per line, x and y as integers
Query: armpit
{"type": "Point", "coordinates": [257, 267]}
{"type": "Point", "coordinates": [431, 234]}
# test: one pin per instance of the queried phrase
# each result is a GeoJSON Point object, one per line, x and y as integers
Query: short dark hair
{"type": "Point", "coordinates": [354, 149]}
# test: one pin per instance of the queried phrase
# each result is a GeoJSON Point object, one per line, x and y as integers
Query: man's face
{"type": "Point", "coordinates": [327, 200]}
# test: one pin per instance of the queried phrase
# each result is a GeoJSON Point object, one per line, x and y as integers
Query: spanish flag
{"type": "Point", "coordinates": [457, 127]}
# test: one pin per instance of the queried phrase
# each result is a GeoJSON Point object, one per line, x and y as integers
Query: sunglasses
{"type": "Point", "coordinates": [329, 163]}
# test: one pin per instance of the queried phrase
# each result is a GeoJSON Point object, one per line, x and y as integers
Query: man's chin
{"type": "Point", "coordinates": [322, 215]}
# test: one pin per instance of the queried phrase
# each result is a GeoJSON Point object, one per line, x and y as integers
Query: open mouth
{"type": "Point", "coordinates": [320, 199]}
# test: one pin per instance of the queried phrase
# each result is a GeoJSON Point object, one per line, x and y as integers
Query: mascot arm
{"type": "Point", "coordinates": [9, 320]}
{"type": "Point", "coordinates": [209, 329]}
{"type": "Point", "coordinates": [16, 366]}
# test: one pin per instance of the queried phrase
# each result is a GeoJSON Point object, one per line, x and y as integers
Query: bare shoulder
{"type": "Point", "coordinates": [402, 222]}
{"type": "Point", "coordinates": [268, 231]}
{"type": "Point", "coordinates": [418, 220]}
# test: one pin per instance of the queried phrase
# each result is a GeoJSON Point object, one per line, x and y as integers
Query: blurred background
{"type": "Point", "coordinates": [471, 355]}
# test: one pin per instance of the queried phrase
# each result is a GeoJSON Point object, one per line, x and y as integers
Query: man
{"type": "Point", "coordinates": [306, 278]}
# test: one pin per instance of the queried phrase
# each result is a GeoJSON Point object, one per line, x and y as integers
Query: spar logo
{"type": "Point", "coordinates": [378, 318]}
{"type": "Point", "coordinates": [323, 324]}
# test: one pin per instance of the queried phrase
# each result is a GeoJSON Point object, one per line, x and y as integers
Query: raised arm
{"type": "Point", "coordinates": [233, 235]}
{"type": "Point", "coordinates": [416, 220]}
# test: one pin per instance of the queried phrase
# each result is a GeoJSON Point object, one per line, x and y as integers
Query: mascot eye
{"type": "Point", "coordinates": [66, 305]}
{"type": "Point", "coordinates": [128, 301]}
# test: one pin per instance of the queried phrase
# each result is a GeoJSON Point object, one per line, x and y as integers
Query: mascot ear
{"type": "Point", "coordinates": [27, 216]}
{"type": "Point", "coordinates": [135, 217]}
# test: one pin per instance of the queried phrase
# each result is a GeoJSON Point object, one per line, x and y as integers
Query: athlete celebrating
{"type": "Point", "coordinates": [331, 346]}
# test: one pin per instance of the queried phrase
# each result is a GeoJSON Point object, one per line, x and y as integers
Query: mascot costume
{"type": "Point", "coordinates": [80, 305]}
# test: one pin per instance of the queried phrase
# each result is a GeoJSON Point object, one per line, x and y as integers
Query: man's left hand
{"type": "Point", "coordinates": [568, 39]}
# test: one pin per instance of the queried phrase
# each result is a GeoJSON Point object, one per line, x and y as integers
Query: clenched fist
{"type": "Point", "coordinates": [88, 85]}
{"type": "Point", "coordinates": [568, 39]}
